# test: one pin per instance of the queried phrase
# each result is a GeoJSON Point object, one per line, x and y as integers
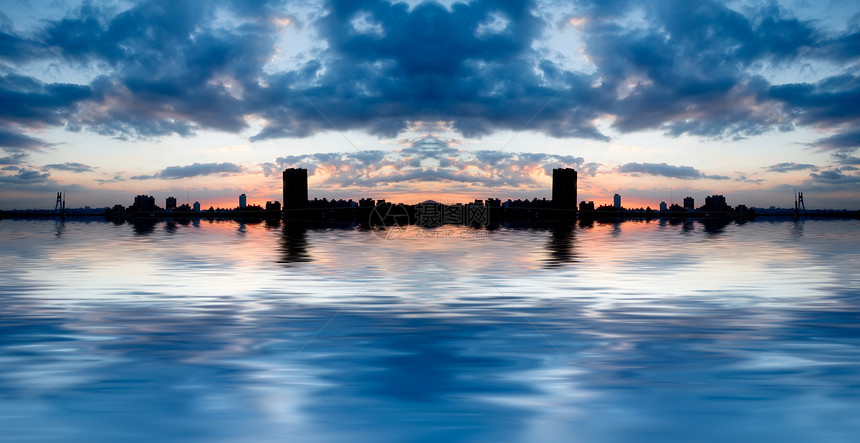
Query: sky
{"type": "Point", "coordinates": [442, 100]}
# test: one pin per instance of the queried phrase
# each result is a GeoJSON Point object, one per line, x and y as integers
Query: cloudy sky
{"type": "Point", "coordinates": [445, 100]}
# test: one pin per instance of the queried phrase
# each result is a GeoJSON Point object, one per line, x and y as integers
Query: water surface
{"type": "Point", "coordinates": [632, 331]}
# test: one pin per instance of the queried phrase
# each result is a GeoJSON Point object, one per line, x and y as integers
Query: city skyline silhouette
{"type": "Point", "coordinates": [415, 101]}
{"type": "Point", "coordinates": [429, 220]}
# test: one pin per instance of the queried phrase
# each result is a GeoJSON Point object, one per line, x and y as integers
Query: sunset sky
{"type": "Point", "coordinates": [449, 101]}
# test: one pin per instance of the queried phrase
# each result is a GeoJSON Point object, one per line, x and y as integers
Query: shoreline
{"type": "Point", "coordinates": [403, 214]}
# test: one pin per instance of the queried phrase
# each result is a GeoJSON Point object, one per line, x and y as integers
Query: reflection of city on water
{"type": "Point", "coordinates": [598, 330]}
{"type": "Point", "coordinates": [559, 247]}
{"type": "Point", "coordinates": [294, 243]}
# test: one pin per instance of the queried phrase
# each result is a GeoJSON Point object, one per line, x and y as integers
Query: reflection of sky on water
{"type": "Point", "coordinates": [603, 331]}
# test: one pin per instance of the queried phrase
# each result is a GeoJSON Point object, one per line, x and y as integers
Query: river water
{"type": "Point", "coordinates": [630, 331]}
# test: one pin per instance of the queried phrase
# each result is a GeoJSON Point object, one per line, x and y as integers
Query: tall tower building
{"type": "Point", "coordinates": [616, 201]}
{"type": "Point", "coordinates": [243, 201]}
{"type": "Point", "coordinates": [143, 203]}
{"type": "Point", "coordinates": [689, 203]}
{"type": "Point", "coordinates": [564, 188]}
{"type": "Point", "coordinates": [170, 203]}
{"type": "Point", "coordinates": [716, 203]}
{"type": "Point", "coordinates": [295, 188]}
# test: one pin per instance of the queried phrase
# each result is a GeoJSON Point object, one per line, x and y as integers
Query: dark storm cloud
{"type": "Point", "coordinates": [836, 176]}
{"type": "Point", "coordinates": [27, 101]}
{"type": "Point", "coordinates": [429, 63]}
{"type": "Point", "coordinates": [12, 140]}
{"type": "Point", "coordinates": [70, 166]}
{"type": "Point", "coordinates": [115, 179]}
{"type": "Point", "coordinates": [847, 141]}
{"type": "Point", "coordinates": [691, 70]}
{"type": "Point", "coordinates": [193, 170]}
{"type": "Point", "coordinates": [666, 170]}
{"type": "Point", "coordinates": [745, 179]}
{"type": "Point", "coordinates": [16, 158]}
{"type": "Point", "coordinates": [845, 159]}
{"type": "Point", "coordinates": [830, 103]}
{"type": "Point", "coordinates": [789, 166]}
{"type": "Point", "coordinates": [25, 176]}
{"type": "Point", "coordinates": [169, 67]}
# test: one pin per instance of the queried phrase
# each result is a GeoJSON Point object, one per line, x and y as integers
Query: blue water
{"type": "Point", "coordinates": [634, 331]}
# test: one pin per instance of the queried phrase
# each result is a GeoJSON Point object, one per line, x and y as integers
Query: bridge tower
{"type": "Point", "coordinates": [61, 203]}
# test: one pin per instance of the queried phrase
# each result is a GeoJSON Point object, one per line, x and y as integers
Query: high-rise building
{"type": "Point", "coordinates": [170, 203]}
{"type": "Point", "coordinates": [143, 203]}
{"type": "Point", "coordinates": [196, 207]}
{"type": "Point", "coordinates": [295, 188]}
{"type": "Point", "coordinates": [716, 203]}
{"type": "Point", "coordinates": [564, 188]}
{"type": "Point", "coordinates": [664, 207]}
{"type": "Point", "coordinates": [689, 203]}
{"type": "Point", "coordinates": [243, 201]}
{"type": "Point", "coordinates": [616, 201]}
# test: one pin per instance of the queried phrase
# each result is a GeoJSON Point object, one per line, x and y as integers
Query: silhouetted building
{"type": "Point", "coordinates": [366, 203]}
{"type": "Point", "coordinates": [196, 206]}
{"type": "Point", "coordinates": [143, 203]}
{"type": "Point", "coordinates": [273, 206]}
{"type": "Point", "coordinates": [689, 203]}
{"type": "Point", "coordinates": [586, 206]}
{"type": "Point", "coordinates": [616, 201]}
{"type": "Point", "coordinates": [295, 188]}
{"type": "Point", "coordinates": [494, 202]}
{"type": "Point", "coordinates": [607, 208]}
{"type": "Point", "coordinates": [183, 208]}
{"type": "Point", "coordinates": [564, 188]}
{"type": "Point", "coordinates": [663, 207]}
{"type": "Point", "coordinates": [243, 201]}
{"type": "Point", "coordinates": [674, 207]}
{"type": "Point", "coordinates": [170, 203]}
{"type": "Point", "coordinates": [716, 203]}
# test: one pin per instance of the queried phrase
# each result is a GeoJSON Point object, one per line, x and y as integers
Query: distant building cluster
{"type": "Point", "coordinates": [295, 197]}
{"type": "Point", "coordinates": [145, 204]}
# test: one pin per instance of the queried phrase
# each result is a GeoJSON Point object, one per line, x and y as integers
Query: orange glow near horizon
{"type": "Point", "coordinates": [224, 192]}
{"type": "Point", "coordinates": [441, 197]}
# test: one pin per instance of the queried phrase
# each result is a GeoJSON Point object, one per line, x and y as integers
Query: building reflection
{"type": "Point", "coordinates": [616, 226]}
{"type": "Point", "coordinates": [560, 245]}
{"type": "Point", "coordinates": [715, 226]}
{"type": "Point", "coordinates": [143, 226]}
{"type": "Point", "coordinates": [59, 227]}
{"type": "Point", "coordinates": [294, 244]}
{"type": "Point", "coordinates": [688, 226]}
{"type": "Point", "coordinates": [797, 231]}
